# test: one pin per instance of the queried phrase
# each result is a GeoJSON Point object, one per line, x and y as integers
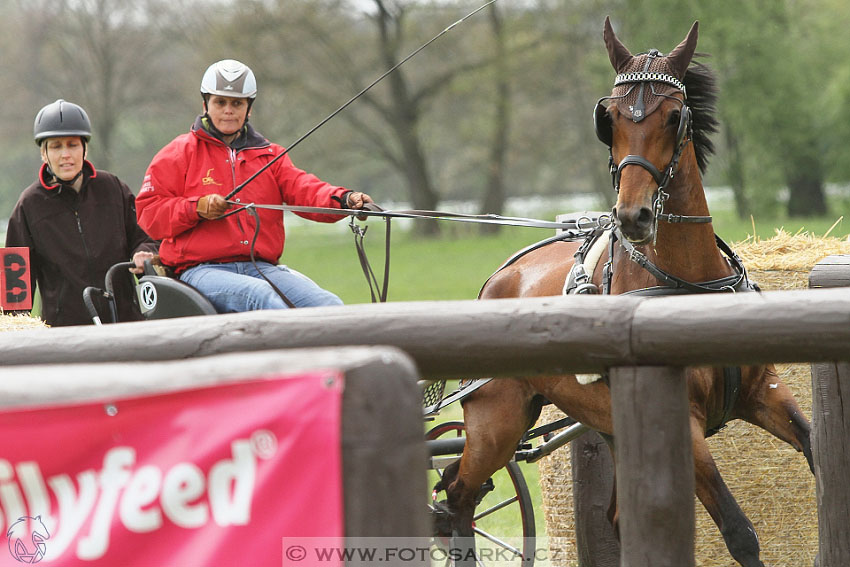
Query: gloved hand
{"type": "Point", "coordinates": [355, 200]}
{"type": "Point", "coordinates": [212, 206]}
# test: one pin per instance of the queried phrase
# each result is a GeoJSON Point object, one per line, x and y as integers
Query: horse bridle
{"type": "Point", "coordinates": [605, 132]}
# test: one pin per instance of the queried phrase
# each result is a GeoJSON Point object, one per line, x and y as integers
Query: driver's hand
{"type": "Point", "coordinates": [356, 200]}
{"type": "Point", "coordinates": [212, 206]}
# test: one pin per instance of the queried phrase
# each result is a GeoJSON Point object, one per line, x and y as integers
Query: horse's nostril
{"type": "Point", "coordinates": [644, 216]}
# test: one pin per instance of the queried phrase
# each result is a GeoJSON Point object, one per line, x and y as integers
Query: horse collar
{"type": "Point", "coordinates": [673, 284]}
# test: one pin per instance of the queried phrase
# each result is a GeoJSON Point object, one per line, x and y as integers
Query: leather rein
{"type": "Point", "coordinates": [378, 290]}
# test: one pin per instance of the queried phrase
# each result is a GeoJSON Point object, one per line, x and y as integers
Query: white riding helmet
{"type": "Point", "coordinates": [229, 77]}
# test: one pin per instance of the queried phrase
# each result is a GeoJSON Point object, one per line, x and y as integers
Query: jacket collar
{"type": "Point", "coordinates": [248, 137]}
{"type": "Point", "coordinates": [50, 183]}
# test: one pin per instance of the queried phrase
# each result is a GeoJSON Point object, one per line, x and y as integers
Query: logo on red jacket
{"type": "Point", "coordinates": [208, 179]}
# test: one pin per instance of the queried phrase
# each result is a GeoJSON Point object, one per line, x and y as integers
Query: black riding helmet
{"type": "Point", "coordinates": [61, 118]}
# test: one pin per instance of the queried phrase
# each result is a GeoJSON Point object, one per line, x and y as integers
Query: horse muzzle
{"type": "Point", "coordinates": [635, 212]}
{"type": "Point", "coordinates": [637, 224]}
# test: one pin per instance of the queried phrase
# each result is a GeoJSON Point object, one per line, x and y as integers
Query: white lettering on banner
{"type": "Point", "coordinates": [140, 499]}
{"type": "Point", "coordinates": [183, 485]}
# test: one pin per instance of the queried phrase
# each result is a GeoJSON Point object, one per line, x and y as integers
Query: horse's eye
{"type": "Point", "coordinates": [674, 119]}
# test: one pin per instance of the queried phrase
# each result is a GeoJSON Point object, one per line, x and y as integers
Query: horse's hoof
{"type": "Point", "coordinates": [442, 520]}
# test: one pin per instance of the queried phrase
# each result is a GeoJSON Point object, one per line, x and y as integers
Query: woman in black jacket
{"type": "Point", "coordinates": [76, 221]}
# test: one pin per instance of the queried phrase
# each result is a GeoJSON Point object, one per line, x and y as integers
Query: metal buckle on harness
{"type": "Point", "coordinates": [356, 228]}
{"type": "Point", "coordinates": [586, 289]}
{"type": "Point", "coordinates": [605, 221]}
{"type": "Point", "coordinates": [659, 202]}
{"type": "Point", "coordinates": [580, 274]}
{"type": "Point", "coordinates": [581, 281]}
{"type": "Point", "coordinates": [636, 256]}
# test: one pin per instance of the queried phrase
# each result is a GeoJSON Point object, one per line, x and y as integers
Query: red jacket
{"type": "Point", "coordinates": [197, 164]}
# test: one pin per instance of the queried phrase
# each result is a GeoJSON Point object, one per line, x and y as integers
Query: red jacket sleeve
{"type": "Point", "coordinates": [305, 189]}
{"type": "Point", "coordinates": [161, 206]}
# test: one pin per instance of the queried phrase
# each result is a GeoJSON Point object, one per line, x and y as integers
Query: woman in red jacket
{"type": "Point", "coordinates": [182, 202]}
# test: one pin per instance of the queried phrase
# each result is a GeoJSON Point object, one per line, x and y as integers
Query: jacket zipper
{"type": "Point", "coordinates": [83, 238]}
{"type": "Point", "coordinates": [232, 153]}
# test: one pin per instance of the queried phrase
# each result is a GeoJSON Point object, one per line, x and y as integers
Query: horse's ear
{"type": "Point", "coordinates": [680, 58]}
{"type": "Point", "coordinates": [619, 55]}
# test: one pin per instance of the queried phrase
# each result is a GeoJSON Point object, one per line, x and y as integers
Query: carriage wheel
{"type": "Point", "coordinates": [504, 517]}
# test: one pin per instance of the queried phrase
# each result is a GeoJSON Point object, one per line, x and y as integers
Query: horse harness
{"type": "Point", "coordinates": [579, 282]}
{"type": "Point", "coordinates": [579, 278]}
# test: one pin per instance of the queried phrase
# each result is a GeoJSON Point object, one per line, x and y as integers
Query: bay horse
{"type": "Point", "coordinates": [656, 123]}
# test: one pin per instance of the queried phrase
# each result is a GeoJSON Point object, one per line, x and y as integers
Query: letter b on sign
{"type": "Point", "coordinates": [15, 288]}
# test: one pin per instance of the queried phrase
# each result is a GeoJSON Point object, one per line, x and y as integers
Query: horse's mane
{"type": "Point", "coordinates": [701, 84]}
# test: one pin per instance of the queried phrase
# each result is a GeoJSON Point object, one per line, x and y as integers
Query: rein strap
{"type": "Point", "coordinates": [579, 224]}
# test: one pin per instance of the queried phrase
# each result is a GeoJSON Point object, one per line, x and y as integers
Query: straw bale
{"type": "Point", "coordinates": [769, 479]}
{"type": "Point", "coordinates": [19, 322]}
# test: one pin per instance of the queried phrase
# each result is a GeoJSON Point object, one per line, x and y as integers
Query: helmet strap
{"type": "Point", "coordinates": [70, 183]}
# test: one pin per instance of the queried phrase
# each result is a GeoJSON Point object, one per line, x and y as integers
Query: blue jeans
{"type": "Point", "coordinates": [238, 286]}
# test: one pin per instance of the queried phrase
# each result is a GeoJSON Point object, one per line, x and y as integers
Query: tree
{"type": "Point", "coordinates": [771, 116]}
{"type": "Point", "coordinates": [389, 121]}
{"type": "Point", "coordinates": [494, 190]}
{"type": "Point", "coordinates": [104, 55]}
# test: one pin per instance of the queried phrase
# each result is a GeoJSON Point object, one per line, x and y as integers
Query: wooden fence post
{"type": "Point", "coordinates": [830, 442]}
{"type": "Point", "coordinates": [593, 485]}
{"type": "Point", "coordinates": [383, 448]}
{"type": "Point", "coordinates": [655, 467]}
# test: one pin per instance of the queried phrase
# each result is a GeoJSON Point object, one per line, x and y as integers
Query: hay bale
{"type": "Point", "coordinates": [19, 322]}
{"type": "Point", "coordinates": [769, 479]}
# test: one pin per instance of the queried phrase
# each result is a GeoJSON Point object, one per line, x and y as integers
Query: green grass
{"type": "Point", "coordinates": [457, 264]}
{"type": "Point", "coordinates": [452, 267]}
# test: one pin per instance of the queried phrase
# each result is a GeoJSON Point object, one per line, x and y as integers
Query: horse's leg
{"type": "Point", "coordinates": [769, 404]}
{"type": "Point", "coordinates": [495, 416]}
{"type": "Point", "coordinates": [737, 530]}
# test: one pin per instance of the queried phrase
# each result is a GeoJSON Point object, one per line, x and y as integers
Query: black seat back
{"type": "Point", "coordinates": [161, 297]}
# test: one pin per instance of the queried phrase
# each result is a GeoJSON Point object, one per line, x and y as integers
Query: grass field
{"type": "Point", "coordinates": [455, 265]}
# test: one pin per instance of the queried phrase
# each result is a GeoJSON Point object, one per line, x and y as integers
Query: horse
{"type": "Point", "coordinates": [657, 124]}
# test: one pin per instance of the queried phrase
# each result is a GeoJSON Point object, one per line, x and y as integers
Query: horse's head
{"type": "Point", "coordinates": [647, 124]}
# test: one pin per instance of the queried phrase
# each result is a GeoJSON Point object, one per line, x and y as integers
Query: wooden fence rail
{"type": "Point", "coordinates": [523, 336]}
{"type": "Point", "coordinates": [491, 338]}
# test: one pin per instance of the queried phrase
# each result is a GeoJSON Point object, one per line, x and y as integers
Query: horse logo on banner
{"type": "Point", "coordinates": [28, 539]}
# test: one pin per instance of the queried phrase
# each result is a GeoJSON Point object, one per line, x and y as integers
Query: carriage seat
{"type": "Point", "coordinates": [163, 296]}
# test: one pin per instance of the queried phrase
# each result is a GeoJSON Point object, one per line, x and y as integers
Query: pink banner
{"type": "Point", "coordinates": [212, 477]}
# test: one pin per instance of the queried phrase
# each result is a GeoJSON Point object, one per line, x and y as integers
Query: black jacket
{"type": "Point", "coordinates": [74, 238]}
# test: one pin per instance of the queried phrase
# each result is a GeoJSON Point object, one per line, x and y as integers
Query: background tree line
{"type": "Point", "coordinates": [498, 107]}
